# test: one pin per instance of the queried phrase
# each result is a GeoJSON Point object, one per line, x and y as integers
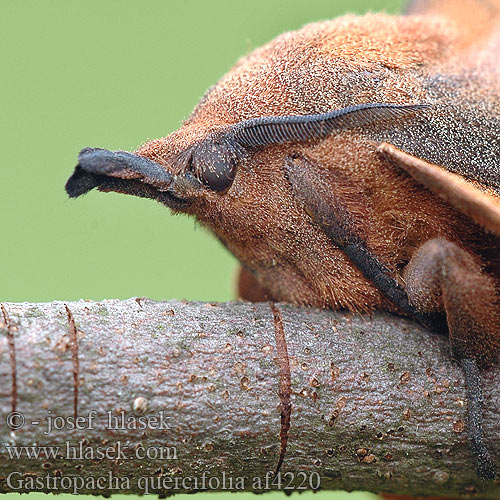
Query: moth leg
{"type": "Point", "coordinates": [443, 277]}
{"type": "Point", "coordinates": [249, 288]}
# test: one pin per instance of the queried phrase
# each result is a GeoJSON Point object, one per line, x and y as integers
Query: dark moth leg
{"type": "Point", "coordinates": [442, 276]}
{"type": "Point", "coordinates": [441, 279]}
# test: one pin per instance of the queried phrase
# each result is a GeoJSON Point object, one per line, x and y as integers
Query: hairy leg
{"type": "Point", "coordinates": [441, 276]}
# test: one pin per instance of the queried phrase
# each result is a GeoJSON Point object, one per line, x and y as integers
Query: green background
{"type": "Point", "coordinates": [112, 74]}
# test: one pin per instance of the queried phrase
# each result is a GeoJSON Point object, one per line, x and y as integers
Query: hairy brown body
{"type": "Point", "coordinates": [355, 164]}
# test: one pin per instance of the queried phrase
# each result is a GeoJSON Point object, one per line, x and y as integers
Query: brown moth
{"type": "Point", "coordinates": [354, 164]}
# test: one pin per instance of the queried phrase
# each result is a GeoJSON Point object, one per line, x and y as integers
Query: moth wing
{"type": "Point", "coordinates": [473, 199]}
{"type": "Point", "coordinates": [474, 19]}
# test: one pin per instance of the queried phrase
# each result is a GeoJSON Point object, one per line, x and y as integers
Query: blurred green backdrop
{"type": "Point", "coordinates": [113, 74]}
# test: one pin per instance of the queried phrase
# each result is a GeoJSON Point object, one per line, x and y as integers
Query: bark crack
{"type": "Point", "coordinates": [12, 352]}
{"type": "Point", "coordinates": [74, 358]}
{"type": "Point", "coordinates": [285, 387]}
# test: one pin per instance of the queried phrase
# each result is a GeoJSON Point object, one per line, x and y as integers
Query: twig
{"type": "Point", "coordinates": [376, 404]}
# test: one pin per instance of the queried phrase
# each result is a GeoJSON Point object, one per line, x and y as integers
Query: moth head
{"type": "Point", "coordinates": [285, 95]}
{"type": "Point", "coordinates": [181, 171]}
{"type": "Point", "coordinates": [226, 165]}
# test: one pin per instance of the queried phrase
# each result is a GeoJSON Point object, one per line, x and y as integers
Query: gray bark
{"type": "Point", "coordinates": [376, 404]}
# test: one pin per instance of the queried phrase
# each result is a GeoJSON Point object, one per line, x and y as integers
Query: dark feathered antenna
{"type": "Point", "coordinates": [265, 131]}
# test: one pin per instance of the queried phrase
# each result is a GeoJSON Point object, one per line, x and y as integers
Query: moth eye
{"type": "Point", "coordinates": [218, 172]}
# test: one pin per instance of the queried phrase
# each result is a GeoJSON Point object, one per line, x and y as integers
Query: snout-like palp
{"type": "Point", "coordinates": [95, 166]}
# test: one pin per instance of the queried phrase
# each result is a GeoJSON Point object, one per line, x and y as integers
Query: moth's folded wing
{"type": "Point", "coordinates": [477, 201]}
{"type": "Point", "coordinates": [476, 20]}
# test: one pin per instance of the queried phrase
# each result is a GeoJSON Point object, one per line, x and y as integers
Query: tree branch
{"type": "Point", "coordinates": [221, 391]}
